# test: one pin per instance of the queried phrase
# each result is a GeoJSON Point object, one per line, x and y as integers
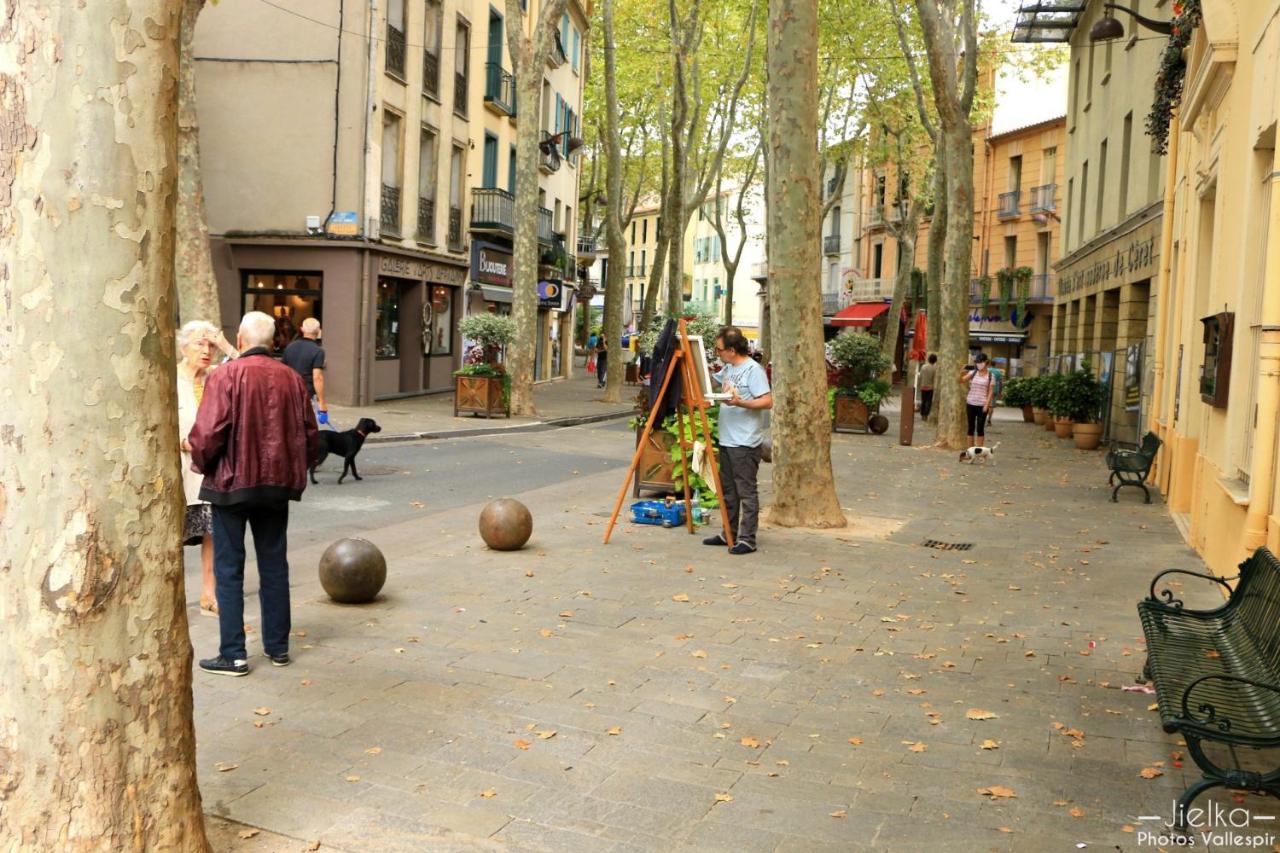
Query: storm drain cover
{"type": "Point", "coordinates": [947, 546]}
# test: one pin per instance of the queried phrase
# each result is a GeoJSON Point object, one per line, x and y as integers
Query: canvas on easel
{"type": "Point", "coordinates": [694, 377]}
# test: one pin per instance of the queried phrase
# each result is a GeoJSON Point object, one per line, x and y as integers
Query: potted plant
{"type": "Point", "coordinates": [1079, 399]}
{"type": "Point", "coordinates": [1038, 392]}
{"type": "Point", "coordinates": [1044, 392]}
{"type": "Point", "coordinates": [1023, 276]}
{"type": "Point", "coordinates": [984, 290]}
{"type": "Point", "coordinates": [860, 386]}
{"type": "Point", "coordinates": [1017, 393]}
{"type": "Point", "coordinates": [1005, 276]}
{"type": "Point", "coordinates": [482, 386]}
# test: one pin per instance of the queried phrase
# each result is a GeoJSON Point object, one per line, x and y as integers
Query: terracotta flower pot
{"type": "Point", "coordinates": [1039, 415]}
{"type": "Point", "coordinates": [1028, 416]}
{"type": "Point", "coordinates": [1087, 436]}
{"type": "Point", "coordinates": [1063, 427]}
{"type": "Point", "coordinates": [1048, 422]}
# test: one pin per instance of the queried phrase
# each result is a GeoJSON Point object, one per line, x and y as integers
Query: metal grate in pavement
{"type": "Point", "coordinates": [947, 546]}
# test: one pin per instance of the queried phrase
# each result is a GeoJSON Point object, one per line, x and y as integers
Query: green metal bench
{"type": "Point", "coordinates": [1131, 466]}
{"type": "Point", "coordinates": [1217, 672]}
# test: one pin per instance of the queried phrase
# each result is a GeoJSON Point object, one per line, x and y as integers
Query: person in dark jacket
{"type": "Point", "coordinates": [254, 438]}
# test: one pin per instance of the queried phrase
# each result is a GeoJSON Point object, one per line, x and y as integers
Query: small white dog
{"type": "Point", "coordinates": [986, 454]}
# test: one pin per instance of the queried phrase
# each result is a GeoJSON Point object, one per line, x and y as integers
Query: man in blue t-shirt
{"type": "Point", "coordinates": [741, 436]}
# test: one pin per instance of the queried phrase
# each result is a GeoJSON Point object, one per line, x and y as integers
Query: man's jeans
{"type": "Point", "coordinates": [738, 468]}
{"type": "Point", "coordinates": [926, 403]}
{"type": "Point", "coordinates": [270, 523]}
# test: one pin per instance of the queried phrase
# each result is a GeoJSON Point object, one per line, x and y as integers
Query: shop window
{"type": "Point", "coordinates": [1215, 373]}
{"type": "Point", "coordinates": [438, 322]}
{"type": "Point", "coordinates": [289, 297]}
{"type": "Point", "coordinates": [387, 339]}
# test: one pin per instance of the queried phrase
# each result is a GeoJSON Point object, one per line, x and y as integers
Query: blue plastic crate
{"type": "Point", "coordinates": [657, 512]}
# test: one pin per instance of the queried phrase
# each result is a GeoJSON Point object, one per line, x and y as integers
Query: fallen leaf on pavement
{"type": "Point", "coordinates": [683, 637]}
{"type": "Point", "coordinates": [353, 778]}
{"type": "Point", "coordinates": [680, 596]}
{"type": "Point", "coordinates": [839, 813]}
{"type": "Point", "coordinates": [566, 614]}
{"type": "Point", "coordinates": [990, 744]}
{"type": "Point", "coordinates": [547, 734]}
{"type": "Point", "coordinates": [488, 793]}
{"type": "Point", "coordinates": [314, 845]}
{"type": "Point", "coordinates": [979, 714]}
{"type": "Point", "coordinates": [918, 747]}
{"type": "Point", "coordinates": [697, 653]}
{"type": "Point", "coordinates": [1076, 812]}
{"type": "Point", "coordinates": [546, 632]}
{"type": "Point", "coordinates": [522, 744]}
{"type": "Point", "coordinates": [223, 767]}
{"type": "Point", "coordinates": [1151, 772]}
{"type": "Point", "coordinates": [997, 792]}
{"type": "Point", "coordinates": [749, 742]}
{"type": "Point", "coordinates": [262, 712]}
{"type": "Point", "coordinates": [856, 741]}
{"type": "Point", "coordinates": [724, 798]}
{"type": "Point", "coordinates": [616, 730]}
{"type": "Point", "coordinates": [374, 750]}
{"type": "Point", "coordinates": [248, 833]}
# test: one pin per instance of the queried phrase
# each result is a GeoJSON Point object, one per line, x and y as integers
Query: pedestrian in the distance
{"type": "Point", "coordinates": [592, 341]}
{"type": "Point", "coordinates": [254, 438]}
{"type": "Point", "coordinates": [742, 435]}
{"type": "Point", "coordinates": [197, 340]}
{"type": "Point", "coordinates": [928, 375]}
{"type": "Point", "coordinates": [997, 385]}
{"type": "Point", "coordinates": [602, 361]}
{"type": "Point", "coordinates": [981, 384]}
{"type": "Point", "coordinates": [306, 356]}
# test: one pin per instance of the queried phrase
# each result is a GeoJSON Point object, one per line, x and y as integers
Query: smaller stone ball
{"type": "Point", "coordinates": [505, 524]}
{"type": "Point", "coordinates": [352, 571]}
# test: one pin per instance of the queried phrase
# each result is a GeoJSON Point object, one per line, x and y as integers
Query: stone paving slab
{"type": "Point", "coordinates": [815, 696]}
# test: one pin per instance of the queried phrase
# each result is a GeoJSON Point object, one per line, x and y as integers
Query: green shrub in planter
{"type": "Point", "coordinates": [1079, 397]}
{"type": "Point", "coordinates": [861, 361]}
{"type": "Point", "coordinates": [1041, 390]}
{"type": "Point", "coordinates": [1017, 392]}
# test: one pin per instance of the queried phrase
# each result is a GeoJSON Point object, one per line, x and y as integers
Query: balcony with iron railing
{"type": "Point", "coordinates": [1042, 198]}
{"type": "Point", "coordinates": [455, 229]}
{"type": "Point", "coordinates": [427, 220]}
{"type": "Point", "coordinates": [499, 90]}
{"type": "Point", "coordinates": [430, 74]}
{"type": "Point", "coordinates": [586, 247]}
{"type": "Point", "coordinates": [1040, 289]}
{"type": "Point", "coordinates": [760, 271]}
{"type": "Point", "coordinates": [548, 153]}
{"type": "Point", "coordinates": [395, 51]}
{"type": "Point", "coordinates": [875, 216]}
{"type": "Point", "coordinates": [493, 209]}
{"type": "Point", "coordinates": [390, 218]}
{"type": "Point", "coordinates": [460, 94]}
{"type": "Point", "coordinates": [831, 244]}
{"type": "Point", "coordinates": [1008, 205]}
{"type": "Point", "coordinates": [868, 290]}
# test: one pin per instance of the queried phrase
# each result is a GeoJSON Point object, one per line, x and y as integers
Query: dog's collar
{"type": "Point", "coordinates": [362, 434]}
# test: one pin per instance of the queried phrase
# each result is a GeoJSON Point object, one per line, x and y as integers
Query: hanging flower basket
{"type": "Point", "coordinates": [1172, 73]}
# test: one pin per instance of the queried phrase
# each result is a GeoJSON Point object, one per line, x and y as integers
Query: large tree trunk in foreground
{"type": "Point", "coordinates": [528, 58]}
{"type": "Point", "coordinates": [953, 347]}
{"type": "Point", "coordinates": [97, 750]}
{"type": "Point", "coordinates": [193, 262]}
{"type": "Point", "coordinates": [615, 285]}
{"type": "Point", "coordinates": [804, 492]}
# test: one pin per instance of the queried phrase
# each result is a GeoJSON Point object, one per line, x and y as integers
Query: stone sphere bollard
{"type": "Point", "coordinates": [505, 524]}
{"type": "Point", "coordinates": [353, 571]}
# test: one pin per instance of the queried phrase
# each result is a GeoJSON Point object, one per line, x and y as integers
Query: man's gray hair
{"type": "Point", "coordinates": [193, 329]}
{"type": "Point", "coordinates": [257, 329]}
{"type": "Point", "coordinates": [310, 326]}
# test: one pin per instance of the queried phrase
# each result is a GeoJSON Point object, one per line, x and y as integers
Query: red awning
{"type": "Point", "coordinates": [859, 314]}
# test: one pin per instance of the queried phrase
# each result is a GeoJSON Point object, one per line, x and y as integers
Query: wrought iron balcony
{"type": "Point", "coordinates": [1042, 288]}
{"type": "Point", "coordinates": [431, 74]}
{"type": "Point", "coordinates": [1008, 208]}
{"type": "Point", "coordinates": [455, 229]}
{"type": "Point", "coordinates": [427, 220]}
{"type": "Point", "coordinates": [499, 90]}
{"type": "Point", "coordinates": [460, 94]}
{"type": "Point", "coordinates": [395, 51]}
{"type": "Point", "coordinates": [492, 209]}
{"type": "Point", "coordinates": [760, 271]}
{"type": "Point", "coordinates": [1042, 198]}
{"type": "Point", "coordinates": [831, 303]}
{"type": "Point", "coordinates": [867, 290]}
{"type": "Point", "coordinates": [390, 220]}
{"type": "Point", "coordinates": [544, 226]}
{"type": "Point", "coordinates": [831, 244]}
{"type": "Point", "coordinates": [875, 215]}
{"type": "Point", "coordinates": [587, 247]}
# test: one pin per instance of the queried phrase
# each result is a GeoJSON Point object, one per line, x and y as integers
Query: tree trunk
{"type": "Point", "coordinates": [193, 263]}
{"type": "Point", "coordinates": [528, 57]}
{"type": "Point", "coordinates": [650, 309]}
{"type": "Point", "coordinates": [804, 487]}
{"type": "Point", "coordinates": [615, 285]}
{"type": "Point", "coordinates": [901, 282]}
{"type": "Point", "coordinates": [675, 230]}
{"type": "Point", "coordinates": [97, 749]}
{"type": "Point", "coordinates": [936, 249]}
{"type": "Point", "coordinates": [953, 349]}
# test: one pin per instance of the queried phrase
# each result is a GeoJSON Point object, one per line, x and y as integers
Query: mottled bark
{"type": "Point", "coordinates": [935, 266]}
{"type": "Point", "coordinates": [683, 37]}
{"type": "Point", "coordinates": [615, 283]}
{"type": "Point", "coordinates": [905, 234]}
{"type": "Point", "coordinates": [193, 262]}
{"type": "Point", "coordinates": [528, 58]}
{"type": "Point", "coordinates": [97, 750]}
{"type": "Point", "coordinates": [803, 484]}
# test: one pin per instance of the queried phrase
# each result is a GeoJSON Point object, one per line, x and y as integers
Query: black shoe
{"type": "Point", "coordinates": [222, 666]}
{"type": "Point", "coordinates": [280, 659]}
{"type": "Point", "coordinates": [715, 540]}
{"type": "Point", "coordinates": [740, 548]}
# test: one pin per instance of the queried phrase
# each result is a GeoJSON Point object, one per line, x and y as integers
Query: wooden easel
{"type": "Point", "coordinates": [694, 402]}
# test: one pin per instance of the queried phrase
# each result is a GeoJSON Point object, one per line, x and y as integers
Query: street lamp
{"type": "Point", "coordinates": [1109, 27]}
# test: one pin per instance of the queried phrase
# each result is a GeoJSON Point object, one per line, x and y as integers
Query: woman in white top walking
{"type": "Point", "coordinates": [982, 388]}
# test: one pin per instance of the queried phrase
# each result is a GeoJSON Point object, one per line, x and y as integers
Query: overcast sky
{"type": "Point", "coordinates": [1021, 102]}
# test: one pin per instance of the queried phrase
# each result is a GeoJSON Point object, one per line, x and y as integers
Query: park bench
{"type": "Point", "coordinates": [1217, 672]}
{"type": "Point", "coordinates": [1130, 467]}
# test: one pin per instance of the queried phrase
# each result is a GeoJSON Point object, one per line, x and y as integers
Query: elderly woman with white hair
{"type": "Point", "coordinates": [196, 342]}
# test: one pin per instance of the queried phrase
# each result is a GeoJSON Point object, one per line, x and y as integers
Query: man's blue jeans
{"type": "Point", "coordinates": [270, 524]}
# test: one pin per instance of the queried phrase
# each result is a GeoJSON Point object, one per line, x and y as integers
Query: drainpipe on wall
{"type": "Point", "coordinates": [1164, 301]}
{"type": "Point", "coordinates": [364, 393]}
{"type": "Point", "coordinates": [1262, 477]}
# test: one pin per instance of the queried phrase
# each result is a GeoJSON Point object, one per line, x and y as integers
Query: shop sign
{"type": "Point", "coordinates": [490, 265]}
{"type": "Point", "coordinates": [344, 223]}
{"type": "Point", "coordinates": [551, 295]}
{"type": "Point", "coordinates": [400, 266]}
{"type": "Point", "coordinates": [1128, 259]}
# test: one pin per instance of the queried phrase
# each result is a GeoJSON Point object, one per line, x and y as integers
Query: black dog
{"type": "Point", "coordinates": [345, 444]}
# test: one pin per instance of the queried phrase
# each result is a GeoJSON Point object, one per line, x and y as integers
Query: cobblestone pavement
{"type": "Point", "coordinates": [849, 690]}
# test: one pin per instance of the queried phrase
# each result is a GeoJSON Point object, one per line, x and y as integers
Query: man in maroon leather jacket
{"type": "Point", "coordinates": [254, 438]}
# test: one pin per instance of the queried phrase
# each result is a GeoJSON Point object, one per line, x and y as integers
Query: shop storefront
{"type": "Point", "coordinates": [389, 319]}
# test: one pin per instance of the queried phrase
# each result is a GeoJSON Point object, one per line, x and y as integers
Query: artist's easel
{"type": "Point", "coordinates": [693, 414]}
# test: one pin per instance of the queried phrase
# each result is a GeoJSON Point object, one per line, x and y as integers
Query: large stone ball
{"type": "Point", "coordinates": [505, 524]}
{"type": "Point", "coordinates": [353, 571]}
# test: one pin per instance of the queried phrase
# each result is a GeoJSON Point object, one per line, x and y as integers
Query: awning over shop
{"type": "Point", "coordinates": [859, 314]}
{"type": "Point", "coordinates": [495, 293]}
